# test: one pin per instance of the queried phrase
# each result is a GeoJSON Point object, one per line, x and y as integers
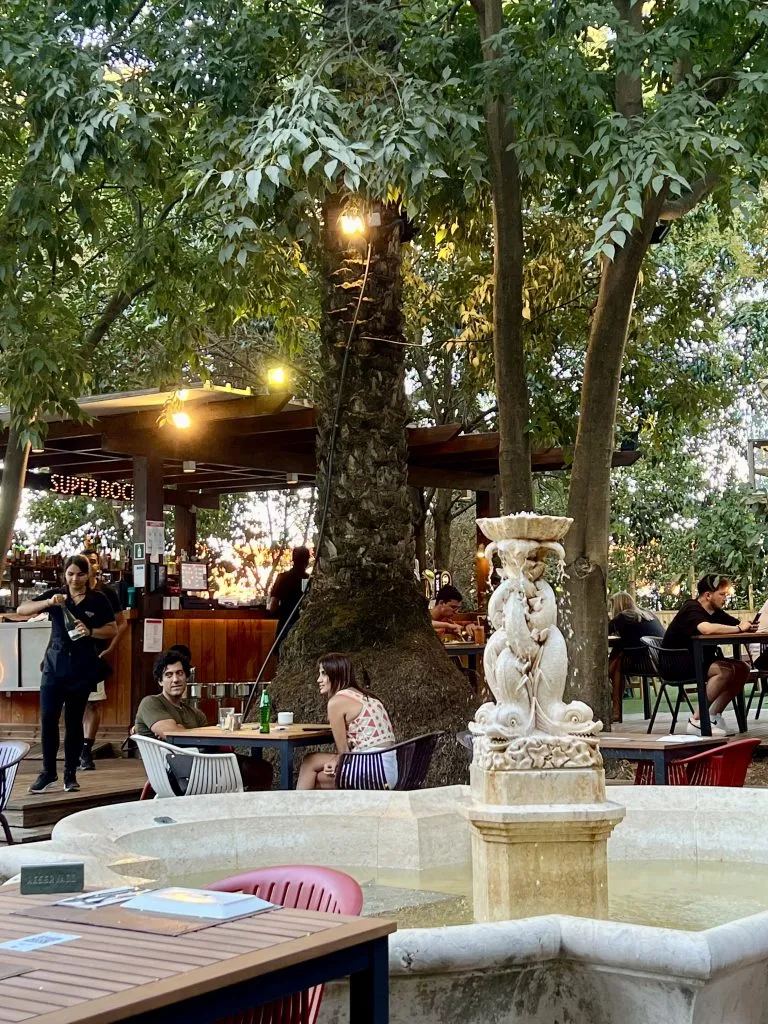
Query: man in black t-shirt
{"type": "Point", "coordinates": [107, 650]}
{"type": "Point", "coordinates": [287, 591]}
{"type": "Point", "coordinates": [725, 676]}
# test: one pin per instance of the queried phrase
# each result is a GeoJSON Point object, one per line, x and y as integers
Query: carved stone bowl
{"type": "Point", "coordinates": [525, 526]}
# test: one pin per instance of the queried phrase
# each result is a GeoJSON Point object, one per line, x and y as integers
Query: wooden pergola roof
{"type": "Point", "coordinates": [247, 444]}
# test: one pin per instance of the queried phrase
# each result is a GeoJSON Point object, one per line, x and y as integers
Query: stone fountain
{"type": "Point", "coordinates": [539, 820]}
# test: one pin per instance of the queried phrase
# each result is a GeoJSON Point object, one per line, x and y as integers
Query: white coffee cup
{"type": "Point", "coordinates": [285, 718]}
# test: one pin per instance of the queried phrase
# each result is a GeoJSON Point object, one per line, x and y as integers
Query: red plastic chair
{"type": "Point", "coordinates": [721, 766]}
{"type": "Point", "coordinates": [301, 887]}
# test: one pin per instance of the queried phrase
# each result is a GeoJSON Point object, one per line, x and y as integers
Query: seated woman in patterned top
{"type": "Point", "coordinates": [358, 719]}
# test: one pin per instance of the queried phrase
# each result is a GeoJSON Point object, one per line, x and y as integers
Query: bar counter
{"type": "Point", "coordinates": [227, 645]}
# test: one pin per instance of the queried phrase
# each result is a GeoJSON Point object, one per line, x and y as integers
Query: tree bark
{"type": "Point", "coordinates": [589, 500]}
{"type": "Point", "coordinates": [441, 519]}
{"type": "Point", "coordinates": [508, 262]}
{"type": "Point", "coordinates": [14, 474]}
{"type": "Point", "coordinates": [364, 599]}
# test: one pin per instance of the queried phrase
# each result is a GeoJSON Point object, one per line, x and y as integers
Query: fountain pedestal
{"type": "Point", "coordinates": [539, 819]}
{"type": "Point", "coordinates": [539, 842]}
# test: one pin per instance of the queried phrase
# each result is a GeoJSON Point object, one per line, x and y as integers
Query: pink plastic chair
{"type": "Point", "coordinates": [722, 766]}
{"type": "Point", "coordinates": [300, 887]}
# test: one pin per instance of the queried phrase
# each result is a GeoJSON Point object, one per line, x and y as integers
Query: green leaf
{"type": "Point", "coordinates": [253, 182]}
{"type": "Point", "coordinates": [310, 160]}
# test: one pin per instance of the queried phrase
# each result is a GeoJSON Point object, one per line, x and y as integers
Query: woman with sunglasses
{"type": "Point", "coordinates": [71, 667]}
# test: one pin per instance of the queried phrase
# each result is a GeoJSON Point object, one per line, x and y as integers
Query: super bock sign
{"type": "Point", "coordinates": [88, 487]}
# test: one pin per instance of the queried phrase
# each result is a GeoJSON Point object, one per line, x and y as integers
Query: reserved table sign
{"type": "Point", "coordinates": [52, 878]}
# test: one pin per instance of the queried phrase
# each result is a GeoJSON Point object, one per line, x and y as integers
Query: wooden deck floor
{"type": "Point", "coordinates": [31, 818]}
{"type": "Point", "coordinates": [635, 723]}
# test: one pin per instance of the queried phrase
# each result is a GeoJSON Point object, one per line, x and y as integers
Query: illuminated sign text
{"type": "Point", "coordinates": [108, 490]}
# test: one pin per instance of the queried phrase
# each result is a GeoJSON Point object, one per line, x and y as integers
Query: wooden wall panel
{"type": "Point", "coordinates": [224, 650]}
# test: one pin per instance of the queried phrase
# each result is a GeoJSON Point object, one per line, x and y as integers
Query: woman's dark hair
{"type": "Point", "coordinates": [341, 673]}
{"type": "Point", "coordinates": [82, 564]}
{"type": "Point", "coordinates": [183, 650]}
{"type": "Point", "coordinates": [170, 657]}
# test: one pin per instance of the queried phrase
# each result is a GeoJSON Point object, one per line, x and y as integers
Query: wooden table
{"type": "Point", "coordinates": [465, 649]}
{"type": "Point", "coordinates": [286, 739]}
{"type": "Point", "coordinates": [733, 640]}
{"type": "Point", "coordinates": [110, 974]}
{"type": "Point", "coordinates": [618, 747]}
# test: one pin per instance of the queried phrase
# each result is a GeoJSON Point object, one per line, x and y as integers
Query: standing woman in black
{"type": "Point", "coordinates": [72, 667]}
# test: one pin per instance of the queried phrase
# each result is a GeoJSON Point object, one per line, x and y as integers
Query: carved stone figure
{"type": "Point", "coordinates": [525, 661]}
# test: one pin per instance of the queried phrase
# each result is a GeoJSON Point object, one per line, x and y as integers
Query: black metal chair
{"type": "Point", "coordinates": [373, 769]}
{"type": "Point", "coordinates": [759, 681]}
{"type": "Point", "coordinates": [12, 752]}
{"type": "Point", "coordinates": [636, 663]}
{"type": "Point", "coordinates": [668, 665]}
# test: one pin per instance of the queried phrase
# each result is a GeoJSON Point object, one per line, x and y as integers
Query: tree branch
{"type": "Point", "coordinates": [673, 209]}
{"type": "Point", "coordinates": [116, 305]}
{"type": "Point", "coordinates": [720, 82]}
{"type": "Point", "coordinates": [629, 88]}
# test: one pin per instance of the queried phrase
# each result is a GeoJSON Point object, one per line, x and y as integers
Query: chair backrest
{"type": "Point", "coordinates": [214, 773]}
{"type": "Point", "coordinates": [368, 770]}
{"type": "Point", "coordinates": [673, 665]}
{"type": "Point", "coordinates": [301, 887]}
{"type": "Point", "coordinates": [725, 765]}
{"type": "Point", "coordinates": [636, 661]}
{"type": "Point", "coordinates": [153, 754]}
{"type": "Point", "coordinates": [413, 760]}
{"type": "Point", "coordinates": [11, 753]}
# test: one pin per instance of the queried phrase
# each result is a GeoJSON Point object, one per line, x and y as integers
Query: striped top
{"type": "Point", "coordinates": [372, 727]}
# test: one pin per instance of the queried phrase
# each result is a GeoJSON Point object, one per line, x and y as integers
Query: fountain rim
{"type": "Point", "coordinates": [525, 526]}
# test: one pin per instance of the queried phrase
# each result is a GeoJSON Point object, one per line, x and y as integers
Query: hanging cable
{"type": "Point", "coordinates": [328, 477]}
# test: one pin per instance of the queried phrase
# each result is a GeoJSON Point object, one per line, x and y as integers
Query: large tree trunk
{"type": "Point", "coordinates": [508, 260]}
{"type": "Point", "coordinates": [364, 600]}
{"type": "Point", "coordinates": [441, 520]}
{"type": "Point", "coordinates": [14, 474]}
{"type": "Point", "coordinates": [589, 500]}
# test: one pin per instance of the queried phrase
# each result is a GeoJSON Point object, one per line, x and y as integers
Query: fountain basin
{"type": "Point", "coordinates": [542, 969]}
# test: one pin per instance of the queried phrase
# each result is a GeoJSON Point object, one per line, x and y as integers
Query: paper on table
{"type": "Point", "coordinates": [682, 739]}
{"type": "Point", "coordinates": [38, 941]}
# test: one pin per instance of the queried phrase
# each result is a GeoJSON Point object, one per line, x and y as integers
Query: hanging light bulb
{"type": "Point", "coordinates": [351, 224]}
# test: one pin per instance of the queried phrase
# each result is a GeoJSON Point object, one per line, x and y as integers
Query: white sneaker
{"type": "Point", "coordinates": [694, 729]}
{"type": "Point", "coordinates": [721, 723]}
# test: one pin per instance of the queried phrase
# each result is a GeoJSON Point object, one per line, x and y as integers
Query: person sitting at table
{"type": "Point", "coordinates": [445, 609]}
{"type": "Point", "coordinates": [725, 677]}
{"type": "Point", "coordinates": [164, 712]}
{"type": "Point", "coordinates": [359, 721]}
{"type": "Point", "coordinates": [630, 624]}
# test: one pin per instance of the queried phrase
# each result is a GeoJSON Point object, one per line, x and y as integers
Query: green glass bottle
{"type": "Point", "coordinates": [71, 624]}
{"type": "Point", "coordinates": [265, 709]}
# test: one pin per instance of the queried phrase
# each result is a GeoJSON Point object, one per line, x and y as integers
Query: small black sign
{"type": "Point", "coordinates": [43, 878]}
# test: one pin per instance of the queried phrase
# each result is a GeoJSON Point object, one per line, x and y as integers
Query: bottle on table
{"type": "Point", "coordinates": [265, 709]}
